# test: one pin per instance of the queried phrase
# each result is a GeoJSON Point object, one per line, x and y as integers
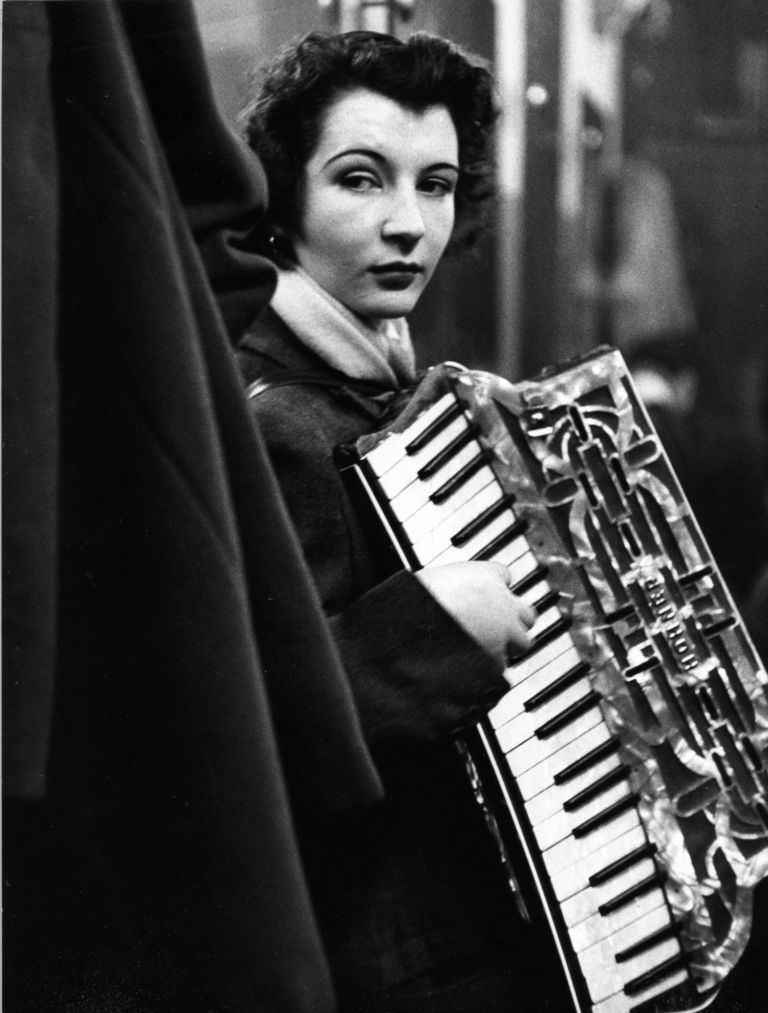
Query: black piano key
{"type": "Point", "coordinates": [448, 452]}
{"type": "Point", "coordinates": [455, 482]}
{"type": "Point", "coordinates": [667, 932]}
{"type": "Point", "coordinates": [513, 531]}
{"type": "Point", "coordinates": [565, 717]}
{"type": "Point", "coordinates": [600, 785]}
{"type": "Point", "coordinates": [554, 631]}
{"type": "Point", "coordinates": [550, 597]}
{"type": "Point", "coordinates": [557, 686]}
{"type": "Point", "coordinates": [605, 816]}
{"type": "Point", "coordinates": [644, 886]}
{"type": "Point", "coordinates": [478, 523]}
{"type": "Point", "coordinates": [585, 762]}
{"type": "Point", "coordinates": [656, 974]}
{"type": "Point", "coordinates": [531, 580]}
{"type": "Point", "coordinates": [622, 864]}
{"type": "Point", "coordinates": [452, 412]}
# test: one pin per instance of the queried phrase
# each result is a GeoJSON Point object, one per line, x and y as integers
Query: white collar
{"type": "Point", "coordinates": [341, 339]}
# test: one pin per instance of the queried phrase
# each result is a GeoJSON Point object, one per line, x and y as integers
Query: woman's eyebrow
{"type": "Point", "coordinates": [443, 165]}
{"type": "Point", "coordinates": [377, 156]}
{"type": "Point", "coordinates": [369, 152]}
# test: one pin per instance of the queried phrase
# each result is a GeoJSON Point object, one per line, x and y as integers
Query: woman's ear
{"type": "Point", "coordinates": [281, 247]}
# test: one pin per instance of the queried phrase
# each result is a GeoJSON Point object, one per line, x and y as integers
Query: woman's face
{"type": "Point", "coordinates": [378, 207]}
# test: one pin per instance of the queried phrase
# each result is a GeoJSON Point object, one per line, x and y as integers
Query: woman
{"type": "Point", "coordinates": [376, 154]}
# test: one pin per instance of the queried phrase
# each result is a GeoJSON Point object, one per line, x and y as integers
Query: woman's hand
{"type": "Point", "coordinates": [477, 595]}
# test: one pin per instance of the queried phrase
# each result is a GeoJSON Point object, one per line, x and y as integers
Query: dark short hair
{"type": "Point", "coordinates": [283, 120]}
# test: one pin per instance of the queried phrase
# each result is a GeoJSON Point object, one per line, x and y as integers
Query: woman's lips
{"type": "Point", "coordinates": [397, 274]}
{"type": "Point", "coordinates": [396, 266]}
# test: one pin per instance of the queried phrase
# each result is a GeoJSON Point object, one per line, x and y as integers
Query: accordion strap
{"type": "Point", "coordinates": [336, 381]}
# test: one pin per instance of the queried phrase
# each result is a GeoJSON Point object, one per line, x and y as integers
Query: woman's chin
{"type": "Point", "coordinates": [386, 305]}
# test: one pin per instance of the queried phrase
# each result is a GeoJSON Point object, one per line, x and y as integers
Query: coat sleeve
{"type": "Point", "coordinates": [415, 673]}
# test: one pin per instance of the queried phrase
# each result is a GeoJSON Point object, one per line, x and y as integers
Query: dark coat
{"type": "Point", "coordinates": [411, 889]}
{"type": "Point", "coordinates": [158, 611]}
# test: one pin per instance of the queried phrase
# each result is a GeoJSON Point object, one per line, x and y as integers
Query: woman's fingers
{"type": "Point", "coordinates": [478, 596]}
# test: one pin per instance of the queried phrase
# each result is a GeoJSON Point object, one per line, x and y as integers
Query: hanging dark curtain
{"type": "Point", "coordinates": [173, 706]}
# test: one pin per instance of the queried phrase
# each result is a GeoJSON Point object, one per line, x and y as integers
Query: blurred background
{"type": "Point", "coordinates": [631, 208]}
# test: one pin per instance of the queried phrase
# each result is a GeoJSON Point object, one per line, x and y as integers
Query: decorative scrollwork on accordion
{"type": "Point", "coordinates": [671, 669]}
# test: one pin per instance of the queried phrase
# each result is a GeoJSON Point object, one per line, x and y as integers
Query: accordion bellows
{"type": "Point", "coordinates": [631, 748]}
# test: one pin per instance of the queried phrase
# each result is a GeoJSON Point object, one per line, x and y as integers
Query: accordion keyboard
{"type": "Point", "coordinates": [574, 781]}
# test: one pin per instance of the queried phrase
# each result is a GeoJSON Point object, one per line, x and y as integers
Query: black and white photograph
{"type": "Point", "coordinates": [385, 506]}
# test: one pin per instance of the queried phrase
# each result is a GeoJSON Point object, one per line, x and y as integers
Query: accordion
{"type": "Point", "coordinates": [624, 773]}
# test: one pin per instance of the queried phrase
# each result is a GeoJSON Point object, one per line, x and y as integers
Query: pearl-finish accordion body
{"type": "Point", "coordinates": [626, 767]}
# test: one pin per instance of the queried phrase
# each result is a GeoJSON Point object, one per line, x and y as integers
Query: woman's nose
{"type": "Point", "coordinates": [403, 219]}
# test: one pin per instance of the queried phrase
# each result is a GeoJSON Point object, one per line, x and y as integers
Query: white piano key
{"type": "Point", "coordinates": [616, 1003]}
{"type": "Point", "coordinates": [392, 449]}
{"type": "Point", "coordinates": [405, 471]}
{"type": "Point", "coordinates": [401, 475]}
{"type": "Point", "coordinates": [452, 431]}
{"type": "Point", "coordinates": [539, 658]}
{"type": "Point", "coordinates": [432, 527]}
{"type": "Point", "coordinates": [578, 849]}
{"type": "Point", "coordinates": [599, 926]}
{"type": "Point", "coordinates": [514, 703]}
{"type": "Point", "coordinates": [451, 555]}
{"type": "Point", "coordinates": [430, 415]}
{"type": "Point", "coordinates": [672, 980]}
{"type": "Point", "coordinates": [400, 468]}
{"type": "Point", "coordinates": [561, 823]}
{"type": "Point", "coordinates": [588, 779]}
{"type": "Point", "coordinates": [545, 621]}
{"type": "Point", "coordinates": [518, 557]}
{"type": "Point", "coordinates": [535, 592]}
{"type": "Point", "coordinates": [575, 877]}
{"type": "Point", "coordinates": [480, 542]}
{"type": "Point", "coordinates": [625, 880]}
{"type": "Point", "coordinates": [651, 958]}
{"type": "Point", "coordinates": [600, 971]}
{"type": "Point", "coordinates": [585, 904]}
{"type": "Point", "coordinates": [601, 984]}
{"type": "Point", "coordinates": [525, 723]}
{"type": "Point", "coordinates": [414, 496]}
{"type": "Point", "coordinates": [553, 798]}
{"type": "Point", "coordinates": [515, 555]}
{"type": "Point", "coordinates": [523, 756]}
{"type": "Point", "coordinates": [387, 454]}
{"type": "Point", "coordinates": [519, 568]}
{"type": "Point", "coordinates": [527, 677]}
{"type": "Point", "coordinates": [543, 774]}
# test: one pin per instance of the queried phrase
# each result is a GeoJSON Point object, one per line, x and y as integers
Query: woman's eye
{"type": "Point", "coordinates": [436, 186]}
{"type": "Point", "coordinates": [359, 181]}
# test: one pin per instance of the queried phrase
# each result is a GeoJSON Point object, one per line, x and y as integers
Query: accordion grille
{"type": "Point", "coordinates": [631, 747]}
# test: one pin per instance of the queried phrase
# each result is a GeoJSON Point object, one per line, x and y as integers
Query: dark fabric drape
{"type": "Point", "coordinates": [174, 705]}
